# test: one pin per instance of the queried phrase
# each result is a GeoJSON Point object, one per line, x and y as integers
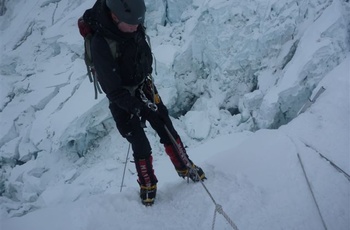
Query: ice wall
{"type": "Point", "coordinates": [240, 47]}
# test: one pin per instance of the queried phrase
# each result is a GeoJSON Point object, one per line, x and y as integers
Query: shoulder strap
{"type": "Point", "coordinates": [90, 65]}
{"type": "Point", "coordinates": [87, 56]}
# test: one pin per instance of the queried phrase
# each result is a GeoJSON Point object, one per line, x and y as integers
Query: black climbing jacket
{"type": "Point", "coordinates": [122, 60]}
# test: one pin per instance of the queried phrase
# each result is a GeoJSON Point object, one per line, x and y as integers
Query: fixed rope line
{"type": "Point", "coordinates": [214, 218]}
{"type": "Point", "coordinates": [312, 193]}
{"type": "Point", "coordinates": [307, 181]}
{"type": "Point", "coordinates": [218, 207]}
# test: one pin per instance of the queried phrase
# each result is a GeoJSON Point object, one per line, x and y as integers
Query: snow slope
{"type": "Point", "coordinates": [227, 70]}
{"type": "Point", "coordinates": [256, 177]}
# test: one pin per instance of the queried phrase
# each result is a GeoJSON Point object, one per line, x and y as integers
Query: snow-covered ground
{"type": "Point", "coordinates": [227, 70]}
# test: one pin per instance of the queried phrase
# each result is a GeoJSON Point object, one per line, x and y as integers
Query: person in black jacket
{"type": "Point", "coordinates": [123, 62]}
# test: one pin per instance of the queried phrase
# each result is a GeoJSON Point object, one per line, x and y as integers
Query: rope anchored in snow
{"type": "Point", "coordinates": [339, 169]}
{"type": "Point", "coordinates": [312, 193]}
{"type": "Point", "coordinates": [218, 207]}
{"type": "Point", "coordinates": [308, 182]}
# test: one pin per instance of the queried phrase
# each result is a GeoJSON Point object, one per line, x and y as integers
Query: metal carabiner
{"type": "Point", "coordinates": [148, 103]}
{"type": "Point", "coordinates": [152, 106]}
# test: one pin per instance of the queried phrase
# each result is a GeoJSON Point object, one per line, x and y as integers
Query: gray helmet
{"type": "Point", "coordinates": [129, 11]}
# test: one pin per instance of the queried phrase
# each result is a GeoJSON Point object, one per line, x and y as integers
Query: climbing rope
{"type": "Point", "coordinates": [308, 182]}
{"type": "Point", "coordinates": [218, 207]}
{"type": "Point", "coordinates": [312, 192]}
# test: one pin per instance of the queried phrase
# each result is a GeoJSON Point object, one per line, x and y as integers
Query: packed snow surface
{"type": "Point", "coordinates": [235, 76]}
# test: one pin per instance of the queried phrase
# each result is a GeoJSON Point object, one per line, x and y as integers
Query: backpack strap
{"type": "Point", "coordinates": [87, 55]}
{"type": "Point", "coordinates": [90, 65]}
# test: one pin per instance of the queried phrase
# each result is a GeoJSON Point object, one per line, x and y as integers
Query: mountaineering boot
{"type": "Point", "coordinates": [183, 165]}
{"type": "Point", "coordinates": [195, 173]}
{"type": "Point", "coordinates": [147, 180]}
{"type": "Point", "coordinates": [148, 194]}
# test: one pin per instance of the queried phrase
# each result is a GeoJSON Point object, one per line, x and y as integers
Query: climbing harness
{"type": "Point", "coordinates": [150, 104]}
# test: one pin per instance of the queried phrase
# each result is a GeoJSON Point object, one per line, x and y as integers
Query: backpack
{"type": "Point", "coordinates": [86, 32]}
{"type": "Point", "coordinates": [143, 68]}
